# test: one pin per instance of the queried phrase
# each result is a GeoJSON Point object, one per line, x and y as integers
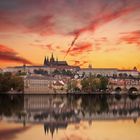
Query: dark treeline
{"type": "Point", "coordinates": [9, 83]}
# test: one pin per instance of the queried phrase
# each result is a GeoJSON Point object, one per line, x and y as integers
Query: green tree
{"type": "Point", "coordinates": [9, 81]}
{"type": "Point", "coordinates": [41, 71]}
{"type": "Point", "coordinates": [56, 72]}
{"type": "Point", "coordinates": [92, 83]}
{"type": "Point", "coordinates": [17, 83]}
{"type": "Point", "coordinates": [103, 83]}
{"type": "Point", "coordinates": [72, 86]}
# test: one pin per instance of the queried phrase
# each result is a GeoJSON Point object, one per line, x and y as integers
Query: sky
{"type": "Point", "coordinates": [104, 33]}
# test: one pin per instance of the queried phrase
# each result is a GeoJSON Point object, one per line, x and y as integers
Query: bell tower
{"type": "Point", "coordinates": [45, 61]}
{"type": "Point", "coordinates": [52, 59]}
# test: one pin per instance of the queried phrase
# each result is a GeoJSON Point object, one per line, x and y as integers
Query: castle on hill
{"type": "Point", "coordinates": [54, 62]}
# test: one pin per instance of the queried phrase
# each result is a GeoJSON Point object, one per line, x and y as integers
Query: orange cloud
{"type": "Point", "coordinates": [81, 48]}
{"type": "Point", "coordinates": [131, 37]}
{"type": "Point", "coordinates": [50, 48]}
{"type": "Point", "coordinates": [79, 63]}
{"type": "Point", "coordinates": [75, 137]}
{"type": "Point", "coordinates": [42, 46]}
{"type": "Point", "coordinates": [112, 49]}
{"type": "Point", "coordinates": [103, 19]}
{"type": "Point", "coordinates": [9, 55]}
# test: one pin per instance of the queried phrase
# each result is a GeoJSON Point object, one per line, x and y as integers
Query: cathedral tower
{"type": "Point", "coordinates": [45, 61]}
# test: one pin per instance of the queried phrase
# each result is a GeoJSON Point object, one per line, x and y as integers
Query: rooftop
{"type": "Point", "coordinates": [99, 69]}
{"type": "Point", "coordinates": [35, 77]}
{"type": "Point", "coordinates": [127, 70]}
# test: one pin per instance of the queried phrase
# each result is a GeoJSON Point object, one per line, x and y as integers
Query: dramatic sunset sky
{"type": "Point", "coordinates": [104, 33]}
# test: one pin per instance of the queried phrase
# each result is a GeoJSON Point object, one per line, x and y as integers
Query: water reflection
{"type": "Point", "coordinates": [56, 112]}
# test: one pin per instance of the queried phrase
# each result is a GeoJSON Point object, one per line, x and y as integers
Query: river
{"type": "Point", "coordinates": [69, 117]}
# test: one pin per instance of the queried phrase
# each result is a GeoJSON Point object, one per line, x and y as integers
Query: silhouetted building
{"type": "Point", "coordinates": [54, 62]}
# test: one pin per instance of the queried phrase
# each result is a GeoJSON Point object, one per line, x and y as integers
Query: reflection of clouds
{"type": "Point", "coordinates": [77, 126]}
{"type": "Point", "coordinates": [75, 137]}
{"type": "Point", "coordinates": [10, 133]}
{"type": "Point", "coordinates": [82, 125]}
{"type": "Point", "coordinates": [77, 132]}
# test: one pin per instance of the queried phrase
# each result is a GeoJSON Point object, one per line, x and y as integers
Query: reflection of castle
{"type": "Point", "coordinates": [53, 62]}
{"type": "Point", "coordinates": [54, 126]}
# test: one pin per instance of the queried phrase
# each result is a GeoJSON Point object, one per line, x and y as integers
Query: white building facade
{"type": "Point", "coordinates": [98, 71]}
{"type": "Point", "coordinates": [44, 84]}
{"type": "Point", "coordinates": [108, 72]}
{"type": "Point", "coordinates": [133, 73]}
{"type": "Point", "coordinates": [37, 84]}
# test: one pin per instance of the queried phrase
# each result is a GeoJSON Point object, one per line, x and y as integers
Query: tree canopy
{"type": "Point", "coordinates": [10, 82]}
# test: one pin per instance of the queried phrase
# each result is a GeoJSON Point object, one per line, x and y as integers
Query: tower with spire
{"type": "Point", "coordinates": [53, 62]}
{"type": "Point", "coordinates": [45, 60]}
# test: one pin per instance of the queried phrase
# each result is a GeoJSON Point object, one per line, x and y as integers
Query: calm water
{"type": "Point", "coordinates": [69, 117]}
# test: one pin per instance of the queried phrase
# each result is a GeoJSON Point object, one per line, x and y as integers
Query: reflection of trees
{"type": "Point", "coordinates": [61, 116]}
{"type": "Point", "coordinates": [89, 103]}
{"type": "Point", "coordinates": [94, 104]}
{"type": "Point", "coordinates": [10, 104]}
{"type": "Point", "coordinates": [69, 107]}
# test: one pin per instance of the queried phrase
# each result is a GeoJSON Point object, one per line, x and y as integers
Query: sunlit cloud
{"type": "Point", "coordinates": [112, 49]}
{"type": "Point", "coordinates": [79, 63]}
{"type": "Point", "coordinates": [80, 48]}
{"type": "Point", "coordinates": [101, 20]}
{"type": "Point", "coordinates": [131, 38]}
{"type": "Point", "coordinates": [48, 47]}
{"type": "Point", "coordinates": [75, 137]}
{"type": "Point", "coordinates": [9, 55]}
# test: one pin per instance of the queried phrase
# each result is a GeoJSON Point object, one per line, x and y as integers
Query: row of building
{"type": "Point", "coordinates": [86, 71]}
{"type": "Point", "coordinates": [53, 64]}
{"type": "Point", "coordinates": [37, 83]}
{"type": "Point", "coordinates": [45, 84]}
{"type": "Point", "coordinates": [109, 72]}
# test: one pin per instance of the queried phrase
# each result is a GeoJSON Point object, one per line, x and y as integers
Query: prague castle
{"type": "Point", "coordinates": [54, 62]}
{"type": "Point", "coordinates": [51, 64]}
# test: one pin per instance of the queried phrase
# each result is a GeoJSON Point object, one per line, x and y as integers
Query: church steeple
{"type": "Point", "coordinates": [56, 61]}
{"type": "Point", "coordinates": [52, 55]}
{"type": "Point", "coordinates": [53, 61]}
{"type": "Point", "coordinates": [52, 58]}
{"type": "Point", "coordinates": [45, 60]}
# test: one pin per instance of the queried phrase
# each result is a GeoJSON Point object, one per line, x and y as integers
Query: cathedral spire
{"type": "Point", "coordinates": [52, 58]}
{"type": "Point", "coordinates": [56, 62]}
{"type": "Point", "coordinates": [45, 60]}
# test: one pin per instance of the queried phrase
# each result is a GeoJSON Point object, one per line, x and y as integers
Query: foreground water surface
{"type": "Point", "coordinates": [69, 117]}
